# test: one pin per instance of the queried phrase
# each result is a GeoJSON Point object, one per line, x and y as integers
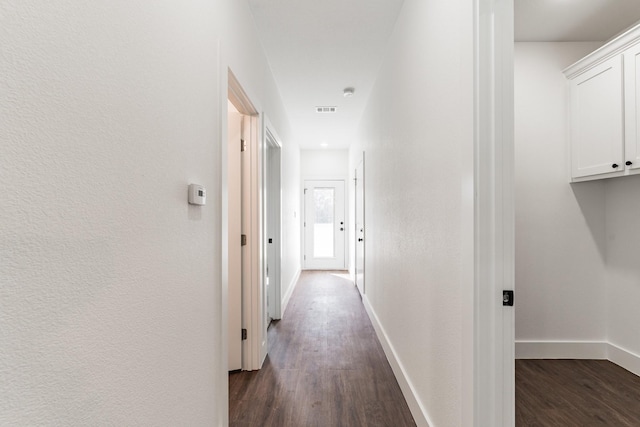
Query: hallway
{"type": "Point", "coordinates": [325, 365]}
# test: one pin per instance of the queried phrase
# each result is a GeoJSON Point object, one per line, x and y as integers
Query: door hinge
{"type": "Point", "coordinates": [243, 240]}
{"type": "Point", "coordinates": [305, 191]}
{"type": "Point", "coordinates": [243, 145]}
{"type": "Point", "coordinates": [244, 334]}
{"type": "Point", "coordinates": [507, 298]}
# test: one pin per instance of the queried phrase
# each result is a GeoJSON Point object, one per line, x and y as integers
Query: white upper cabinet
{"type": "Point", "coordinates": [597, 120]}
{"type": "Point", "coordinates": [632, 110]}
{"type": "Point", "coordinates": [604, 116]}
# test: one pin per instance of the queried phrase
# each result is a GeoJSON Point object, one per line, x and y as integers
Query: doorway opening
{"type": "Point", "coordinates": [246, 334]}
{"type": "Point", "coordinates": [272, 222]}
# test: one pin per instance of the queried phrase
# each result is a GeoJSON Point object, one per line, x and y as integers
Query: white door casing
{"type": "Point", "coordinates": [324, 225]}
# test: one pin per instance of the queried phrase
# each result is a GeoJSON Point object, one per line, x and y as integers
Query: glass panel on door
{"type": "Point", "coordinates": [323, 225]}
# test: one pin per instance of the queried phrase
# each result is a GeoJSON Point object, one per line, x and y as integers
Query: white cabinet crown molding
{"type": "Point", "coordinates": [613, 47]}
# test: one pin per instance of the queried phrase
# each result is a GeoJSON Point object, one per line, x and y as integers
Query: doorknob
{"type": "Point", "coordinates": [360, 239]}
{"type": "Point", "coordinates": [341, 229]}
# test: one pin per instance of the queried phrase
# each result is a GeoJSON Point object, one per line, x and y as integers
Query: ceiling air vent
{"type": "Point", "coordinates": [325, 109]}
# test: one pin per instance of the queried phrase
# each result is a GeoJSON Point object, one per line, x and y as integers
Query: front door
{"type": "Point", "coordinates": [324, 225]}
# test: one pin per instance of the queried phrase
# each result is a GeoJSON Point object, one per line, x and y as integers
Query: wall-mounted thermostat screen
{"type": "Point", "coordinates": [197, 194]}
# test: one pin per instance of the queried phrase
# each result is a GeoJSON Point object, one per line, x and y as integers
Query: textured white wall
{"type": "Point", "coordinates": [560, 227]}
{"type": "Point", "coordinates": [323, 164]}
{"type": "Point", "coordinates": [623, 262]}
{"type": "Point", "coordinates": [291, 211]}
{"type": "Point", "coordinates": [417, 132]}
{"type": "Point", "coordinates": [110, 283]}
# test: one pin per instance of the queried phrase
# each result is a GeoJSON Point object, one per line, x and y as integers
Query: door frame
{"type": "Point", "coordinates": [492, 325]}
{"type": "Point", "coordinates": [272, 183]}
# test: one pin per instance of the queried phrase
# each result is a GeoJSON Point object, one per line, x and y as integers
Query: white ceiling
{"type": "Point", "coordinates": [573, 20]}
{"type": "Point", "coordinates": [318, 48]}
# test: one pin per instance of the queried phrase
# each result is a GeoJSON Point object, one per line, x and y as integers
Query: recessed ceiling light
{"type": "Point", "coordinates": [324, 145]}
{"type": "Point", "coordinates": [348, 92]}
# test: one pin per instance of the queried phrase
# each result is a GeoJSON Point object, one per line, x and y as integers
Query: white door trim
{"type": "Point", "coordinates": [493, 330]}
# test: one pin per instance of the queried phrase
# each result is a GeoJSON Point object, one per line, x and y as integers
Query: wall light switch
{"type": "Point", "coordinates": [197, 194]}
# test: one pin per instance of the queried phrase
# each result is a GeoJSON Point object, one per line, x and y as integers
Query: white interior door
{"type": "Point", "coordinates": [359, 228]}
{"type": "Point", "coordinates": [234, 230]}
{"type": "Point", "coordinates": [324, 225]}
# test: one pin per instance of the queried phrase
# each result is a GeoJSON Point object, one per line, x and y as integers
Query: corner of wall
{"type": "Point", "coordinates": [624, 358]}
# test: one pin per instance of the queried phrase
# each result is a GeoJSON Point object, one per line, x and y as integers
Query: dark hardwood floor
{"type": "Point", "coordinates": [325, 366]}
{"type": "Point", "coordinates": [576, 393]}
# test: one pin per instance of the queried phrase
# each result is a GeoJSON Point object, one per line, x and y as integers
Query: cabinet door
{"type": "Point", "coordinates": [632, 109]}
{"type": "Point", "coordinates": [597, 137]}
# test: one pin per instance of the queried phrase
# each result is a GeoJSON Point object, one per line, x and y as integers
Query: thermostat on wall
{"type": "Point", "coordinates": [197, 194]}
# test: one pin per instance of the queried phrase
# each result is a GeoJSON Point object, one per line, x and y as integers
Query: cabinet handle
{"type": "Point", "coordinates": [628, 163]}
{"type": "Point", "coordinates": [615, 165]}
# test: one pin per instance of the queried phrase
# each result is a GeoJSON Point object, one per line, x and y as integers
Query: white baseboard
{"type": "Point", "coordinates": [287, 296]}
{"type": "Point", "coordinates": [624, 358]}
{"type": "Point", "coordinates": [561, 350]}
{"type": "Point", "coordinates": [418, 411]}
{"type": "Point", "coordinates": [599, 350]}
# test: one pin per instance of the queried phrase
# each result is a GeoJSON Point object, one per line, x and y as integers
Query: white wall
{"type": "Point", "coordinates": [291, 212]}
{"type": "Point", "coordinates": [623, 264]}
{"type": "Point", "coordinates": [111, 298]}
{"type": "Point", "coordinates": [324, 164]}
{"type": "Point", "coordinates": [417, 132]}
{"type": "Point", "coordinates": [560, 227]}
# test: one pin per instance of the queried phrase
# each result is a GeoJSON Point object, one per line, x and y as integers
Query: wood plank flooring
{"type": "Point", "coordinates": [325, 366]}
{"type": "Point", "coordinates": [576, 393]}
